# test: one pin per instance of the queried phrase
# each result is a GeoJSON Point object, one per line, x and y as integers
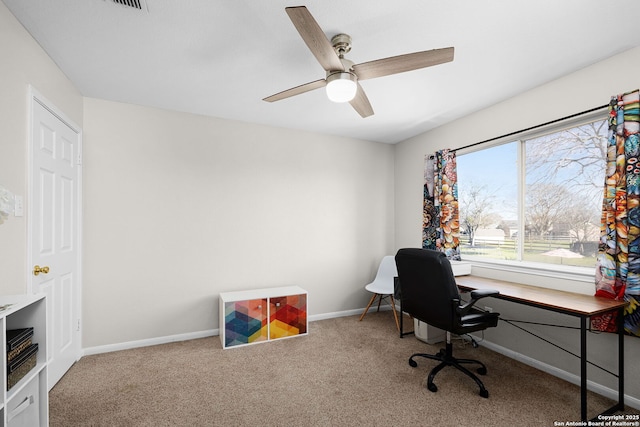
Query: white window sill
{"type": "Point", "coordinates": [561, 277]}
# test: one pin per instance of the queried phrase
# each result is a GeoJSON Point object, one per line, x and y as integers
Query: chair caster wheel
{"type": "Point", "coordinates": [413, 363]}
{"type": "Point", "coordinates": [484, 393]}
{"type": "Point", "coordinates": [432, 387]}
{"type": "Point", "coordinates": [482, 371]}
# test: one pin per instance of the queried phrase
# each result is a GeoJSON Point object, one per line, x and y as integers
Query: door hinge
{"type": "Point", "coordinates": [78, 326]}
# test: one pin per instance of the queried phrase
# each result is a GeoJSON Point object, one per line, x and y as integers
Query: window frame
{"type": "Point", "coordinates": [581, 279]}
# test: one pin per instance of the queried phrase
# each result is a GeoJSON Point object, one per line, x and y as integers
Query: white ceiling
{"type": "Point", "coordinates": [221, 57]}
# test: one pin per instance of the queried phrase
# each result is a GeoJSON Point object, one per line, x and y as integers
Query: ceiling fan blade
{"type": "Point", "coordinates": [315, 38]}
{"type": "Point", "coordinates": [296, 90]}
{"type": "Point", "coordinates": [402, 63]}
{"type": "Point", "coordinates": [361, 104]}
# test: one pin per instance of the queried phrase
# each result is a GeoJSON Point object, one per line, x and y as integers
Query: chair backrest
{"type": "Point", "coordinates": [383, 283]}
{"type": "Point", "coordinates": [387, 269]}
{"type": "Point", "coordinates": [428, 287]}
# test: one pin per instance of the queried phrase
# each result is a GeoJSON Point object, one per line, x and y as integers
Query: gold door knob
{"type": "Point", "coordinates": [37, 270]}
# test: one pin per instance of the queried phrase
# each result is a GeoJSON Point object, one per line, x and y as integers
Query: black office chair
{"type": "Point", "coordinates": [429, 293]}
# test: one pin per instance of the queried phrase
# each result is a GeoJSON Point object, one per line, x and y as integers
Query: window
{"type": "Point", "coordinates": [535, 199]}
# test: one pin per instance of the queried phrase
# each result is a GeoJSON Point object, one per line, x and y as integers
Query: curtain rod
{"type": "Point", "coordinates": [533, 127]}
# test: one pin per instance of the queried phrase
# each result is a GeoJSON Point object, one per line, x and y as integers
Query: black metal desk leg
{"type": "Point", "coordinates": [621, 358]}
{"type": "Point", "coordinates": [583, 368]}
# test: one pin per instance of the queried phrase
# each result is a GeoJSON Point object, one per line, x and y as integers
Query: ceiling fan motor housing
{"type": "Point", "coordinates": [342, 85]}
{"type": "Point", "coordinates": [341, 43]}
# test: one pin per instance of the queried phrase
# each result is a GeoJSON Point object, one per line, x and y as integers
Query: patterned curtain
{"type": "Point", "coordinates": [441, 227]}
{"type": "Point", "coordinates": [618, 264]}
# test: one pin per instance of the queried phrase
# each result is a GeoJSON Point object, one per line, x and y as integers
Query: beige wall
{"type": "Point", "coordinates": [23, 63]}
{"type": "Point", "coordinates": [179, 208]}
{"type": "Point", "coordinates": [577, 92]}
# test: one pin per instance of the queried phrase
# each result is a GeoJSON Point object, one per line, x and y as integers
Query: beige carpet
{"type": "Point", "coordinates": [344, 373]}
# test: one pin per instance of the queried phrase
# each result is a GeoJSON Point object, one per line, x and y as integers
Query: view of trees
{"type": "Point", "coordinates": [478, 210]}
{"type": "Point", "coordinates": [563, 175]}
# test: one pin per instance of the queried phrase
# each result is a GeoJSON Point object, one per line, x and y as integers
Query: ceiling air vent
{"type": "Point", "coordinates": [136, 4]}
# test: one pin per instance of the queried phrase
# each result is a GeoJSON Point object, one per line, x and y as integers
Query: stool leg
{"type": "Point", "coordinates": [373, 298]}
{"type": "Point", "coordinates": [379, 301]}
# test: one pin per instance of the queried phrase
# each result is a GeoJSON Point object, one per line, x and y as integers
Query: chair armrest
{"type": "Point", "coordinates": [475, 296]}
{"type": "Point", "coordinates": [483, 293]}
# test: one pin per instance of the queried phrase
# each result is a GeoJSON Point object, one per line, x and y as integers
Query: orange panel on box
{"type": "Point", "coordinates": [288, 316]}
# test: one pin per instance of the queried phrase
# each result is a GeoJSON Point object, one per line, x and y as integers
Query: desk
{"type": "Point", "coordinates": [578, 305]}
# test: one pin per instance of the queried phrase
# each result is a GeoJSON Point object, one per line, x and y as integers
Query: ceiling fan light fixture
{"type": "Point", "coordinates": [341, 86]}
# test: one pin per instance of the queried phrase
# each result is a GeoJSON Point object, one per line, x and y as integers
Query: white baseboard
{"type": "Point", "coordinates": [556, 372]}
{"type": "Point", "coordinates": [149, 342]}
{"type": "Point", "coordinates": [194, 335]}
{"type": "Point", "coordinates": [345, 313]}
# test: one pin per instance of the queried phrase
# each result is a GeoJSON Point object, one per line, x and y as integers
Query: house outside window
{"type": "Point", "coordinates": [535, 199]}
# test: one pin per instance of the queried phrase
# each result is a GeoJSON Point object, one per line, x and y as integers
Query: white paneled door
{"type": "Point", "coordinates": [54, 220]}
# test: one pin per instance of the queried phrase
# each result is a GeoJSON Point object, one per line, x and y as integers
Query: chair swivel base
{"type": "Point", "coordinates": [446, 358]}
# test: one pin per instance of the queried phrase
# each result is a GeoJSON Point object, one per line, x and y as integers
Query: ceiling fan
{"type": "Point", "coordinates": [343, 75]}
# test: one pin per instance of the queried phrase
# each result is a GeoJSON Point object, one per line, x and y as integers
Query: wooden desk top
{"type": "Point", "coordinates": [551, 299]}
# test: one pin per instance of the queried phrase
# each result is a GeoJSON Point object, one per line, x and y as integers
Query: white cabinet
{"type": "Point", "coordinates": [26, 403]}
{"type": "Point", "coordinates": [248, 317]}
